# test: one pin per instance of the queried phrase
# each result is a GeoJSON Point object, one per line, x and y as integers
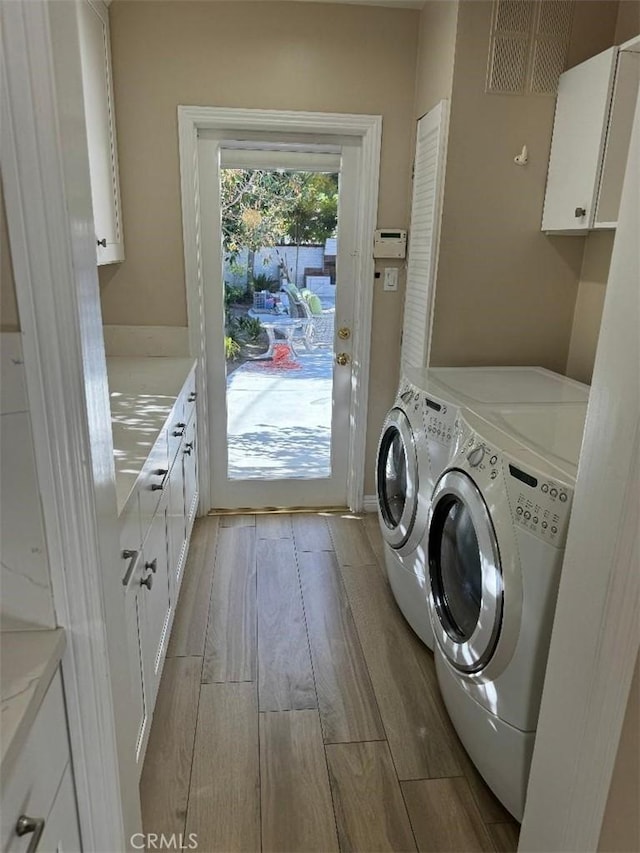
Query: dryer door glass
{"type": "Point", "coordinates": [397, 478]}
{"type": "Point", "coordinates": [458, 570]}
{"type": "Point", "coordinates": [465, 573]}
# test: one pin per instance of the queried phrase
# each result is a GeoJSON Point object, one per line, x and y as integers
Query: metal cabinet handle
{"type": "Point", "coordinates": [179, 430]}
{"type": "Point", "coordinates": [343, 358]}
{"type": "Point", "coordinates": [158, 487]}
{"type": "Point", "coordinates": [580, 212]}
{"type": "Point", "coordinates": [102, 242]}
{"type": "Point", "coordinates": [25, 825]}
{"type": "Point", "coordinates": [152, 564]}
{"type": "Point", "coordinates": [193, 396]}
{"type": "Point", "coordinates": [187, 450]}
{"type": "Point", "coordinates": [132, 556]}
{"type": "Point", "coordinates": [148, 581]}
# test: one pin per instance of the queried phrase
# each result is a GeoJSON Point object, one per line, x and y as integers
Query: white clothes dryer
{"type": "Point", "coordinates": [404, 481]}
{"type": "Point", "coordinates": [418, 437]}
{"type": "Point", "coordinates": [496, 535]}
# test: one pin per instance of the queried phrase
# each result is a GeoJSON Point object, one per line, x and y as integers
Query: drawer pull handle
{"type": "Point", "coordinates": [580, 212]}
{"type": "Point", "coordinates": [26, 825]}
{"type": "Point", "coordinates": [179, 432]}
{"type": "Point", "coordinates": [158, 487]}
{"type": "Point", "coordinates": [153, 565]}
{"type": "Point", "coordinates": [148, 581]}
{"type": "Point", "coordinates": [102, 242]}
{"type": "Point", "coordinates": [132, 556]}
{"type": "Point", "coordinates": [193, 396]}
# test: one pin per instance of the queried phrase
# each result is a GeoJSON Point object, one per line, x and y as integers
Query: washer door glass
{"type": "Point", "coordinates": [397, 478]}
{"type": "Point", "coordinates": [465, 573]}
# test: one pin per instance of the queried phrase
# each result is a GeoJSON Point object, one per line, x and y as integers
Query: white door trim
{"type": "Point", "coordinates": [369, 129]}
{"type": "Point", "coordinates": [596, 633]}
{"type": "Point", "coordinates": [46, 181]}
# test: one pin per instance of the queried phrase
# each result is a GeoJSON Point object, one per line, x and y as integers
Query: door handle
{"type": "Point", "coordinates": [343, 358]}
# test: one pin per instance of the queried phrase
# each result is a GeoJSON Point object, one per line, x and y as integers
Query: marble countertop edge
{"type": "Point", "coordinates": [28, 662]}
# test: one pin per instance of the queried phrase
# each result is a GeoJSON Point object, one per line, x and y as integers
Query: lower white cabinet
{"type": "Point", "coordinates": [155, 602]}
{"type": "Point", "coordinates": [154, 537]}
{"type": "Point", "coordinates": [39, 809]}
{"type": "Point", "coordinates": [60, 834]}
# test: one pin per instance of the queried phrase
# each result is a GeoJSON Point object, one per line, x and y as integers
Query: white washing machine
{"type": "Point", "coordinates": [404, 482]}
{"type": "Point", "coordinates": [415, 447]}
{"type": "Point", "coordinates": [496, 536]}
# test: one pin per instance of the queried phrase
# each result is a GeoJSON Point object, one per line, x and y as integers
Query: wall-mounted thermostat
{"type": "Point", "coordinates": [389, 243]}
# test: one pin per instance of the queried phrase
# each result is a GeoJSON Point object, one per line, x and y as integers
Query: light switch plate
{"type": "Point", "coordinates": [390, 278]}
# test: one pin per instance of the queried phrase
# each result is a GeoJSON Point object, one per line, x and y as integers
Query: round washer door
{"type": "Point", "coordinates": [397, 478]}
{"type": "Point", "coordinates": [465, 573]}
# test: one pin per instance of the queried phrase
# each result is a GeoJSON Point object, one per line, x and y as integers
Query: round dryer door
{"type": "Point", "coordinates": [465, 573]}
{"type": "Point", "coordinates": [397, 478]}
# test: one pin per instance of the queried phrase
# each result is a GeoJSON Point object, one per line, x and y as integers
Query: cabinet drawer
{"type": "Point", "coordinates": [31, 787]}
{"type": "Point", "coordinates": [190, 394]}
{"type": "Point", "coordinates": [153, 480]}
{"type": "Point", "coordinates": [176, 426]}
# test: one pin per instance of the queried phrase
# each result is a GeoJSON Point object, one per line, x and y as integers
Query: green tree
{"type": "Point", "coordinates": [261, 208]}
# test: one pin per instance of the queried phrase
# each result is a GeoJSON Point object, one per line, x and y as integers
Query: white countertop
{"type": "Point", "coordinates": [28, 660]}
{"type": "Point", "coordinates": [142, 393]}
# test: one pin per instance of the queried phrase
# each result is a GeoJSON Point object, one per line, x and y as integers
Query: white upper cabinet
{"type": "Point", "coordinates": [95, 50]}
{"type": "Point", "coordinates": [591, 134]}
{"type": "Point", "coordinates": [579, 130]}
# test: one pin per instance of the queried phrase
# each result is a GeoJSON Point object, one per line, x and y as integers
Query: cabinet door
{"type": "Point", "coordinates": [582, 109]}
{"type": "Point", "coordinates": [61, 831]}
{"type": "Point", "coordinates": [155, 602]}
{"type": "Point", "coordinates": [95, 52]}
{"type": "Point", "coordinates": [190, 467]}
{"type": "Point", "coordinates": [133, 607]}
{"type": "Point", "coordinates": [176, 522]}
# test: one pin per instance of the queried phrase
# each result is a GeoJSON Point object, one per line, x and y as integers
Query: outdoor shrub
{"type": "Point", "coordinates": [262, 281]}
{"type": "Point", "coordinates": [251, 327]}
{"type": "Point", "coordinates": [232, 294]}
{"type": "Point", "coordinates": [231, 348]}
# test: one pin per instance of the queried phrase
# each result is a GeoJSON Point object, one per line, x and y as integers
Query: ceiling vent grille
{"type": "Point", "coordinates": [528, 46]}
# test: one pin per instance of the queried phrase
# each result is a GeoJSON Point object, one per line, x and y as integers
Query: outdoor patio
{"type": "Point", "coordinates": [279, 417]}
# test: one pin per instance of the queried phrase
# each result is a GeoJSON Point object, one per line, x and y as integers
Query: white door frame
{"type": "Point", "coordinates": [368, 129]}
{"type": "Point", "coordinates": [45, 174]}
{"type": "Point", "coordinates": [596, 632]}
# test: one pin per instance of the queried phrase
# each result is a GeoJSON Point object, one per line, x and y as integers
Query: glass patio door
{"type": "Point", "coordinates": [279, 385]}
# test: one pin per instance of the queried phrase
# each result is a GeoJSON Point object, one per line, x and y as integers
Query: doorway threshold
{"type": "Point", "coordinates": [278, 509]}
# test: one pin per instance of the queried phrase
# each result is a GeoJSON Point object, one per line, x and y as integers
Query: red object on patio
{"type": "Point", "coordinates": [282, 359]}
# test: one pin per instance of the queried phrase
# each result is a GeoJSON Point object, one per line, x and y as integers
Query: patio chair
{"type": "Point", "coordinates": [318, 332]}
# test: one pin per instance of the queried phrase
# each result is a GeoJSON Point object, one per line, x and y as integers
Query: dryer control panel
{"type": "Point", "coordinates": [538, 504]}
{"type": "Point", "coordinates": [439, 420]}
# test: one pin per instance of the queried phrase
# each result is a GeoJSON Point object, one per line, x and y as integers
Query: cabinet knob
{"type": "Point", "coordinates": [153, 565]}
{"type": "Point", "coordinates": [26, 825]}
{"type": "Point", "coordinates": [148, 581]}
{"type": "Point", "coordinates": [102, 242]}
{"type": "Point", "coordinates": [580, 212]}
{"type": "Point", "coordinates": [158, 487]}
{"type": "Point", "coordinates": [192, 397]}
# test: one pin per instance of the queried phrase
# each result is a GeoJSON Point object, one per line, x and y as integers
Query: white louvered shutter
{"type": "Point", "coordinates": [424, 236]}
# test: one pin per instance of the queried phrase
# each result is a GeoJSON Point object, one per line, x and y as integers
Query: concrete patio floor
{"type": "Point", "coordinates": [279, 420]}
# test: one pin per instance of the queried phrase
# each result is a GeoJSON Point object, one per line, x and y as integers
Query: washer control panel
{"type": "Point", "coordinates": [439, 421]}
{"type": "Point", "coordinates": [538, 504]}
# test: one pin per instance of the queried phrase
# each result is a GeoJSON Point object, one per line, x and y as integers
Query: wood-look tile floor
{"type": "Point", "coordinates": [298, 711]}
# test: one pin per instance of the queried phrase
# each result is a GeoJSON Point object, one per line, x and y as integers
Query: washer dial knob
{"type": "Point", "coordinates": [475, 456]}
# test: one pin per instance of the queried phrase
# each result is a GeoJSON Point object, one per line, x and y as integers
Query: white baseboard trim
{"type": "Point", "coordinates": [370, 503]}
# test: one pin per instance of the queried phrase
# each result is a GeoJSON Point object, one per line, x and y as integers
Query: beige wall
{"type": "Point", "coordinates": [505, 292]}
{"type": "Point", "coordinates": [590, 300]}
{"type": "Point", "coordinates": [436, 53]}
{"type": "Point", "coordinates": [9, 320]}
{"type": "Point", "coordinates": [598, 245]}
{"type": "Point", "coordinates": [276, 56]}
{"type": "Point", "coordinates": [621, 825]}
